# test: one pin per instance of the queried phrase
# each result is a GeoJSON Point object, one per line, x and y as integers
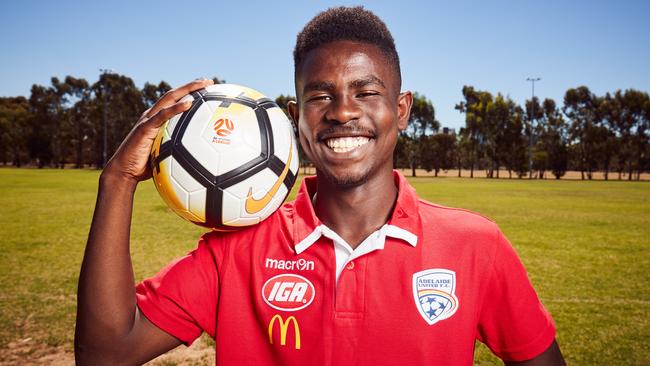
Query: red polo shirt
{"type": "Point", "coordinates": [416, 299]}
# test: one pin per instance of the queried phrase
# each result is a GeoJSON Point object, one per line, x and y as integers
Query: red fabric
{"type": "Point", "coordinates": [372, 316]}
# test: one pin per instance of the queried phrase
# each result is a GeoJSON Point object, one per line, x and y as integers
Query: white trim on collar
{"type": "Point", "coordinates": [386, 230]}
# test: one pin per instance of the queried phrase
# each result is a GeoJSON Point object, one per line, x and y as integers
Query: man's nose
{"type": "Point", "coordinates": [343, 110]}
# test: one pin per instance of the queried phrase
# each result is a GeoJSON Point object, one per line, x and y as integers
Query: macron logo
{"type": "Point", "coordinates": [298, 264]}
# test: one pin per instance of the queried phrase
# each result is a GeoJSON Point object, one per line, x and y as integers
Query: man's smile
{"type": "Point", "coordinates": [345, 139]}
{"type": "Point", "coordinates": [345, 144]}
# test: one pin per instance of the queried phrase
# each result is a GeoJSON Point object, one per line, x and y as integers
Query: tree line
{"type": "Point", "coordinates": [73, 122]}
{"type": "Point", "coordinates": [587, 133]}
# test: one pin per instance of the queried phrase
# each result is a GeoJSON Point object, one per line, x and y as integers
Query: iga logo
{"type": "Point", "coordinates": [288, 292]}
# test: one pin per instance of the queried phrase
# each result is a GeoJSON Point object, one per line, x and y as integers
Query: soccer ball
{"type": "Point", "coordinates": [229, 161]}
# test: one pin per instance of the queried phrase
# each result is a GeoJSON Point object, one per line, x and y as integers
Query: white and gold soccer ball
{"type": "Point", "coordinates": [229, 161]}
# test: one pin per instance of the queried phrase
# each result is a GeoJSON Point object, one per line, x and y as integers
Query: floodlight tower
{"type": "Point", "coordinates": [532, 120]}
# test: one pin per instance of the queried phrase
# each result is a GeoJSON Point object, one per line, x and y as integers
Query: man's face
{"type": "Point", "coordinates": [349, 111]}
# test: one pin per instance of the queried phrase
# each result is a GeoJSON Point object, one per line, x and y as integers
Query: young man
{"type": "Point", "coordinates": [356, 270]}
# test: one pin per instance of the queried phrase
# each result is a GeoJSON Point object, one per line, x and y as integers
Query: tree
{"type": "Point", "coordinates": [463, 150]}
{"type": "Point", "coordinates": [643, 128]}
{"type": "Point", "coordinates": [471, 133]}
{"type": "Point", "coordinates": [605, 147]}
{"type": "Point", "coordinates": [514, 142]}
{"type": "Point", "coordinates": [400, 158]}
{"type": "Point", "coordinates": [282, 101]}
{"type": "Point", "coordinates": [42, 108]}
{"type": "Point", "coordinates": [553, 139]}
{"type": "Point", "coordinates": [500, 113]}
{"type": "Point", "coordinates": [14, 116]}
{"type": "Point", "coordinates": [121, 103]}
{"type": "Point", "coordinates": [422, 122]}
{"type": "Point", "coordinates": [152, 92]}
{"type": "Point", "coordinates": [626, 114]}
{"type": "Point", "coordinates": [533, 115]}
{"type": "Point", "coordinates": [488, 129]}
{"type": "Point", "coordinates": [77, 116]}
{"type": "Point", "coordinates": [51, 125]}
{"type": "Point", "coordinates": [486, 121]}
{"type": "Point", "coordinates": [618, 121]}
{"type": "Point", "coordinates": [580, 106]}
{"type": "Point", "coordinates": [62, 127]}
{"type": "Point", "coordinates": [438, 152]}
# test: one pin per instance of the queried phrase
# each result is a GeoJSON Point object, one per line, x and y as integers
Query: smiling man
{"type": "Point", "coordinates": [356, 271]}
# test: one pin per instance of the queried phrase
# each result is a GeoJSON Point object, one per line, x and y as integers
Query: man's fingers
{"type": "Point", "coordinates": [168, 112]}
{"type": "Point", "coordinates": [176, 94]}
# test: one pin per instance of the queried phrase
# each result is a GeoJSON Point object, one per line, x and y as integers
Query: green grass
{"type": "Point", "coordinates": [585, 245]}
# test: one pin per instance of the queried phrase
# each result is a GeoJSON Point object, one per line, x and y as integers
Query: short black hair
{"type": "Point", "coordinates": [346, 24]}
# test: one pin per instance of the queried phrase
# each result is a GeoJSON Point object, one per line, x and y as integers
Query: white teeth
{"type": "Point", "coordinates": [345, 144]}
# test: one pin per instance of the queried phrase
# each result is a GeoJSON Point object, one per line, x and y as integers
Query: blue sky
{"type": "Point", "coordinates": [443, 45]}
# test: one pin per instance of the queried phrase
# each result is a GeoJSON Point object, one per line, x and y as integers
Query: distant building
{"type": "Point", "coordinates": [448, 131]}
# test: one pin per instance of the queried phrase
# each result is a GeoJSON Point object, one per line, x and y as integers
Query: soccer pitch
{"type": "Point", "coordinates": [585, 245]}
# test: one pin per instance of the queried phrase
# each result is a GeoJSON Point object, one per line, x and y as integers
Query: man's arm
{"type": "Point", "coordinates": [551, 357]}
{"type": "Point", "coordinates": [110, 329]}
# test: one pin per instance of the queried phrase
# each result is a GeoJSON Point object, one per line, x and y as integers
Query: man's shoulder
{"type": "Point", "coordinates": [460, 235]}
{"type": "Point", "coordinates": [431, 210]}
{"type": "Point", "coordinates": [453, 219]}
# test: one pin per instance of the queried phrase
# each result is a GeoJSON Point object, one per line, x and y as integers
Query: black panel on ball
{"type": "Point", "coordinates": [212, 211]}
{"type": "Point", "coordinates": [180, 153]}
{"type": "Point", "coordinates": [277, 166]}
{"type": "Point", "coordinates": [164, 151]}
{"type": "Point", "coordinates": [289, 180]}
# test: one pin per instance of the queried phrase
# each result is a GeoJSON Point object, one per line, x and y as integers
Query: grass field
{"type": "Point", "coordinates": [586, 246]}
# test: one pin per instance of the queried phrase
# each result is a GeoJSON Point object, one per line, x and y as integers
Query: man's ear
{"type": "Point", "coordinates": [294, 111]}
{"type": "Point", "coordinates": [404, 103]}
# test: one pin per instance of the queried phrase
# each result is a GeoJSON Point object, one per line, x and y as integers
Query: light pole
{"type": "Point", "coordinates": [105, 129]}
{"type": "Point", "coordinates": [532, 119]}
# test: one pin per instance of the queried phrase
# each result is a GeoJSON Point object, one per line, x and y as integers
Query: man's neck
{"type": "Point", "coordinates": [355, 212]}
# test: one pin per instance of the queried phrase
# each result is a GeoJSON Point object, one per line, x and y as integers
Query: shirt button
{"type": "Point", "coordinates": [350, 265]}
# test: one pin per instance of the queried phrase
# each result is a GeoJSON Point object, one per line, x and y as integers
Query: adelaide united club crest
{"type": "Point", "coordinates": [434, 293]}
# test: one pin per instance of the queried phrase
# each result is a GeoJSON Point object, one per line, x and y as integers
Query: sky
{"type": "Point", "coordinates": [443, 45]}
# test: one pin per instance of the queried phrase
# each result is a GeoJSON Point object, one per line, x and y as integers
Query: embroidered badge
{"type": "Point", "coordinates": [434, 293]}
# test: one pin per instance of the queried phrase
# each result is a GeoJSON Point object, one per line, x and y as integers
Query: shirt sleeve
{"type": "Point", "coordinates": [513, 323]}
{"type": "Point", "coordinates": [182, 298]}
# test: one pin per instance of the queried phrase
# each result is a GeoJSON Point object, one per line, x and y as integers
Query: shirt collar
{"type": "Point", "coordinates": [403, 224]}
{"type": "Point", "coordinates": [378, 237]}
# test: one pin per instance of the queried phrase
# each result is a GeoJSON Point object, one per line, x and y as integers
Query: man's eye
{"type": "Point", "coordinates": [367, 94]}
{"type": "Point", "coordinates": [316, 98]}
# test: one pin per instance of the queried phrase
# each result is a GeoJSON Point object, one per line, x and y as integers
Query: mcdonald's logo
{"type": "Point", "coordinates": [284, 327]}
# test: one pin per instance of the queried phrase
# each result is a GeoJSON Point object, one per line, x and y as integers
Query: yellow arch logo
{"type": "Point", "coordinates": [284, 327]}
{"type": "Point", "coordinates": [253, 205]}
